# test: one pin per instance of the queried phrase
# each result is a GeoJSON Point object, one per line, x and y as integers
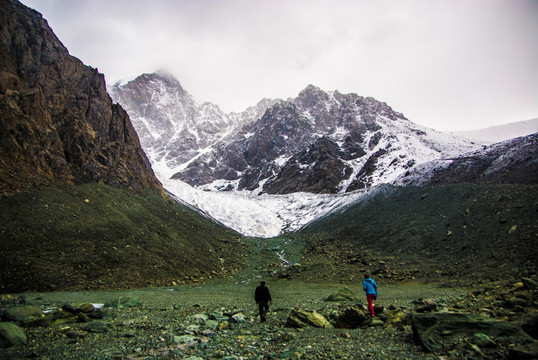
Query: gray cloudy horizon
{"type": "Point", "coordinates": [445, 64]}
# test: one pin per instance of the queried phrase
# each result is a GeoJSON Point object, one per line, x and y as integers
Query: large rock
{"type": "Point", "coordinates": [530, 324]}
{"type": "Point", "coordinates": [24, 315]}
{"type": "Point", "coordinates": [525, 352]}
{"type": "Point", "coordinates": [439, 332]}
{"type": "Point", "coordinates": [353, 317]}
{"type": "Point", "coordinates": [11, 334]}
{"type": "Point", "coordinates": [303, 318]}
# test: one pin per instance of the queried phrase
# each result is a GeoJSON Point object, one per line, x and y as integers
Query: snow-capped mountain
{"type": "Point", "coordinates": [173, 127]}
{"type": "Point", "coordinates": [286, 163]}
{"type": "Point", "coordinates": [320, 142]}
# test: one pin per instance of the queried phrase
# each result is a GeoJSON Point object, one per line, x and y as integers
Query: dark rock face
{"type": "Point", "coordinates": [57, 123]}
{"type": "Point", "coordinates": [304, 144]}
{"type": "Point", "coordinates": [173, 127]}
{"type": "Point", "coordinates": [317, 169]}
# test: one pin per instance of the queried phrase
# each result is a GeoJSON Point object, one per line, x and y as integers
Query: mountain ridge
{"type": "Point", "coordinates": [503, 132]}
{"type": "Point", "coordinates": [277, 149]}
{"type": "Point", "coordinates": [174, 128]}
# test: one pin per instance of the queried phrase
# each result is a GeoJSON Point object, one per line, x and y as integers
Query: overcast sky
{"type": "Point", "coordinates": [445, 64]}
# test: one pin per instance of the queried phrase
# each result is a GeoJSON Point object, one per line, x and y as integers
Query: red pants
{"type": "Point", "coordinates": [370, 299]}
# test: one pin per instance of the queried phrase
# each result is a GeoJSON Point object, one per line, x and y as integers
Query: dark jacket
{"type": "Point", "coordinates": [262, 295]}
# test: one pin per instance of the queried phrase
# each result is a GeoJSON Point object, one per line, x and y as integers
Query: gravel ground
{"type": "Point", "coordinates": [159, 325]}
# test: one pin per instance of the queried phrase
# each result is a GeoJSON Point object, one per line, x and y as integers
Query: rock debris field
{"type": "Point", "coordinates": [218, 320]}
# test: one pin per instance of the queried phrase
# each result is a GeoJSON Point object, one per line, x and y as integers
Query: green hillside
{"type": "Point", "coordinates": [460, 232]}
{"type": "Point", "coordinates": [98, 237]}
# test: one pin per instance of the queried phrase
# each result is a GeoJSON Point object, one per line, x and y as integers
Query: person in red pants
{"type": "Point", "coordinates": [370, 287]}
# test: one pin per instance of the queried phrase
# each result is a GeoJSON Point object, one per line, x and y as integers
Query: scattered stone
{"type": "Point", "coordinates": [185, 339]}
{"type": "Point", "coordinates": [23, 315]}
{"type": "Point", "coordinates": [124, 302]}
{"type": "Point", "coordinates": [513, 303]}
{"type": "Point", "coordinates": [237, 318]}
{"type": "Point", "coordinates": [524, 352]}
{"type": "Point", "coordinates": [344, 294]}
{"type": "Point", "coordinates": [425, 306]}
{"type": "Point", "coordinates": [199, 318]}
{"type": "Point", "coordinates": [378, 309]}
{"type": "Point", "coordinates": [211, 324]}
{"type": "Point", "coordinates": [516, 286]}
{"type": "Point", "coordinates": [11, 335]}
{"type": "Point", "coordinates": [76, 334]}
{"type": "Point", "coordinates": [529, 284]}
{"type": "Point", "coordinates": [96, 327]}
{"type": "Point", "coordinates": [353, 317]}
{"type": "Point", "coordinates": [437, 332]}
{"type": "Point", "coordinates": [86, 308]}
{"type": "Point", "coordinates": [483, 341]}
{"type": "Point", "coordinates": [303, 318]}
{"type": "Point", "coordinates": [377, 322]}
{"type": "Point", "coordinates": [530, 324]}
{"type": "Point", "coordinates": [218, 317]}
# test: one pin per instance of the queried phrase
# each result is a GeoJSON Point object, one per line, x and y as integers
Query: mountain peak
{"type": "Point", "coordinates": [167, 76]}
{"type": "Point", "coordinates": [312, 96]}
{"type": "Point", "coordinates": [160, 76]}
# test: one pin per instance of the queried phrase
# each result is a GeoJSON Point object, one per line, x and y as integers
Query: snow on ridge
{"type": "Point", "coordinates": [260, 215]}
{"type": "Point", "coordinates": [503, 132]}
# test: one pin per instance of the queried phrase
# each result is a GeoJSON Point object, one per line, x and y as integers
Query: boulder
{"type": "Point", "coordinates": [199, 318]}
{"type": "Point", "coordinates": [438, 332]}
{"type": "Point", "coordinates": [483, 341]}
{"type": "Point", "coordinates": [529, 284]}
{"type": "Point", "coordinates": [237, 318]}
{"type": "Point", "coordinates": [11, 334]}
{"type": "Point", "coordinates": [353, 317]}
{"type": "Point", "coordinates": [185, 339]}
{"type": "Point", "coordinates": [398, 317]}
{"type": "Point", "coordinates": [425, 306]}
{"type": "Point", "coordinates": [302, 318]}
{"type": "Point", "coordinates": [524, 352]}
{"type": "Point", "coordinates": [344, 294]}
{"type": "Point", "coordinates": [96, 327]}
{"type": "Point", "coordinates": [24, 315]}
{"type": "Point", "coordinates": [530, 324]}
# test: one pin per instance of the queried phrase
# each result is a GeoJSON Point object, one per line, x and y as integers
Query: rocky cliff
{"type": "Point", "coordinates": [57, 123]}
{"type": "Point", "coordinates": [320, 142]}
{"type": "Point", "coordinates": [173, 127]}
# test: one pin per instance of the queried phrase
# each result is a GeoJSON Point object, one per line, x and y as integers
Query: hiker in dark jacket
{"type": "Point", "coordinates": [263, 298]}
{"type": "Point", "coordinates": [370, 287]}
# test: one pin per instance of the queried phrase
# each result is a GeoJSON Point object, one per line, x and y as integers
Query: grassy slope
{"type": "Point", "coordinates": [94, 237]}
{"type": "Point", "coordinates": [452, 232]}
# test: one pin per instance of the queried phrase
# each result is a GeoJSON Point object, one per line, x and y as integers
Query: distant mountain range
{"type": "Point", "coordinates": [319, 142]}
{"type": "Point", "coordinates": [503, 132]}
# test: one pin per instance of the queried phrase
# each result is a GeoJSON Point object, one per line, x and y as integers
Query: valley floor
{"type": "Point", "coordinates": [155, 325]}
